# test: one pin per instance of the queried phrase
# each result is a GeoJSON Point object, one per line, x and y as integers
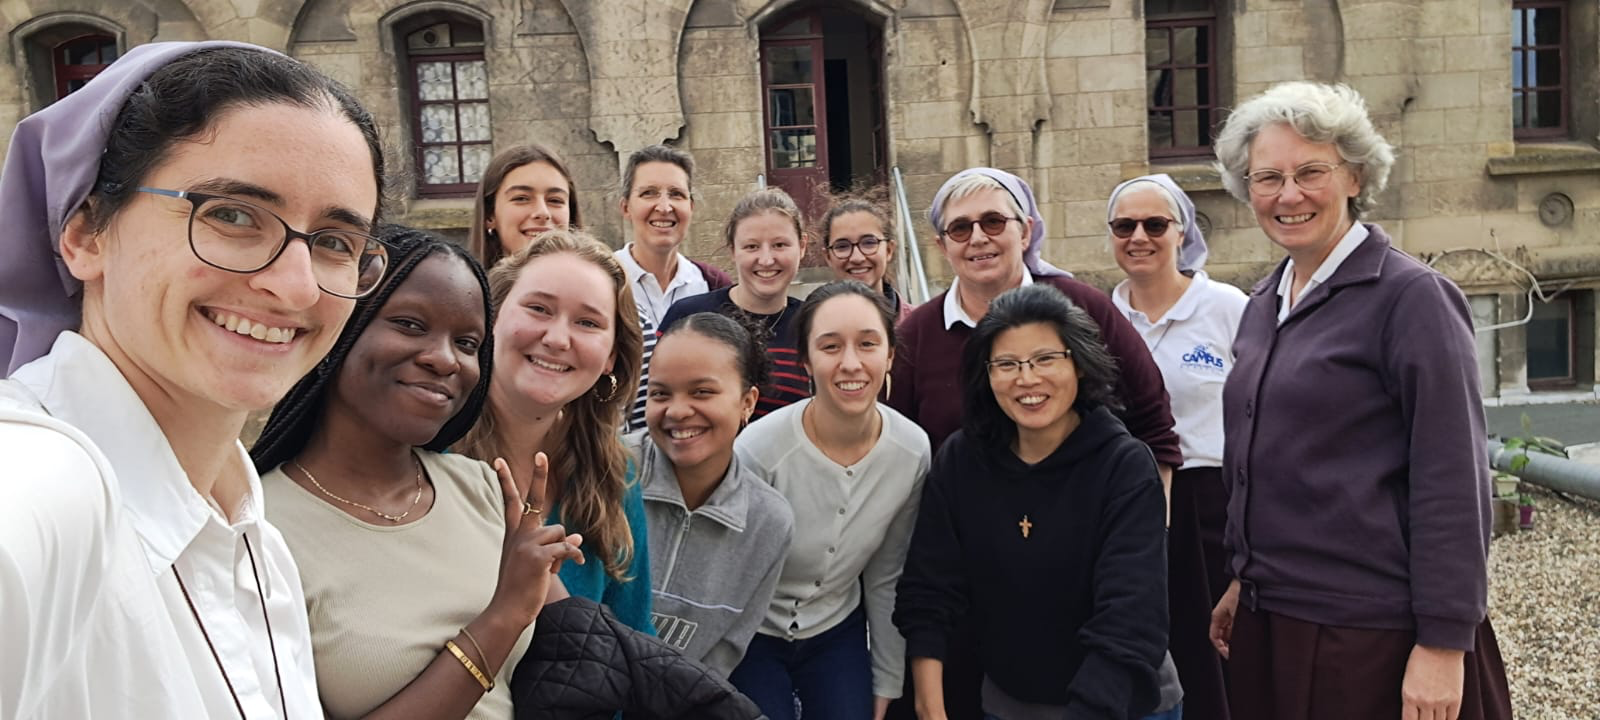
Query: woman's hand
{"type": "Point", "coordinates": [1222, 619]}
{"type": "Point", "coordinates": [880, 707]}
{"type": "Point", "coordinates": [532, 552]}
{"type": "Point", "coordinates": [927, 674]}
{"type": "Point", "coordinates": [1432, 687]}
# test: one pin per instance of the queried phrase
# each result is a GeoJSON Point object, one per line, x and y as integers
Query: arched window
{"type": "Point", "coordinates": [78, 60]}
{"type": "Point", "coordinates": [448, 81]}
{"type": "Point", "coordinates": [1181, 52]}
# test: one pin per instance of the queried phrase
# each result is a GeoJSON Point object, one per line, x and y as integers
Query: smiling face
{"type": "Point", "coordinates": [532, 199]}
{"type": "Point", "coordinates": [414, 367]}
{"type": "Point", "coordinates": [848, 354]}
{"type": "Point", "coordinates": [1304, 222]}
{"type": "Point", "coordinates": [659, 206]}
{"type": "Point", "coordinates": [766, 252]}
{"type": "Point", "coordinates": [1142, 255]}
{"type": "Point", "coordinates": [1038, 401]}
{"type": "Point", "coordinates": [188, 332]}
{"type": "Point", "coordinates": [554, 335]}
{"type": "Point", "coordinates": [851, 228]}
{"type": "Point", "coordinates": [696, 401]}
{"type": "Point", "coordinates": [987, 261]}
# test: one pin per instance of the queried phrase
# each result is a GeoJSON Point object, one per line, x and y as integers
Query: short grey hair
{"type": "Point", "coordinates": [1320, 113]}
{"type": "Point", "coordinates": [978, 182]}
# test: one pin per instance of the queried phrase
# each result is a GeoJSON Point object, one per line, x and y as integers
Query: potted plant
{"type": "Point", "coordinates": [1525, 511]}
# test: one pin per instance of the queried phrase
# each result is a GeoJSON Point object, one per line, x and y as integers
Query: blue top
{"type": "Point", "coordinates": [790, 382]}
{"type": "Point", "coordinates": [629, 600]}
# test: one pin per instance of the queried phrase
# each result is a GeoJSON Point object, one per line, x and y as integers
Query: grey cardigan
{"type": "Point", "coordinates": [712, 570]}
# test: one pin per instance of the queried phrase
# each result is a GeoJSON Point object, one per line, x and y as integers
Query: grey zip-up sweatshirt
{"type": "Point", "coordinates": [712, 570]}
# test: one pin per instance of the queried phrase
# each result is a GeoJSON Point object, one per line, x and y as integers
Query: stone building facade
{"type": "Point", "coordinates": [1494, 105]}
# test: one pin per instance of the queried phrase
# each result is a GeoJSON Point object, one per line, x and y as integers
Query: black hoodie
{"type": "Point", "coordinates": [1070, 607]}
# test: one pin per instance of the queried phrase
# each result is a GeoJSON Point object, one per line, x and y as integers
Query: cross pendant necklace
{"type": "Point", "coordinates": [1026, 527]}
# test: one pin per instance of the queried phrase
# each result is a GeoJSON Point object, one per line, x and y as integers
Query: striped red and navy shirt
{"type": "Point", "coordinates": [789, 383]}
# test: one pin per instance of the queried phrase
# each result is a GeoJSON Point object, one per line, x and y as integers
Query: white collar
{"type": "Point", "coordinates": [954, 313]}
{"type": "Point", "coordinates": [79, 385]}
{"type": "Point", "coordinates": [686, 273]}
{"type": "Point", "coordinates": [1181, 310]}
{"type": "Point", "coordinates": [1347, 244]}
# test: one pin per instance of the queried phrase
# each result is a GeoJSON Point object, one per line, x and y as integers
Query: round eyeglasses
{"type": "Point", "coordinates": [1310, 176]}
{"type": "Point", "coordinates": [842, 248]}
{"type": "Point", "coordinates": [992, 224]}
{"type": "Point", "coordinates": [234, 235]}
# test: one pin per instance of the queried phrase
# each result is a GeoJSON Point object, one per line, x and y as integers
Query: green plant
{"type": "Point", "coordinates": [1528, 442]}
{"type": "Point", "coordinates": [1524, 500]}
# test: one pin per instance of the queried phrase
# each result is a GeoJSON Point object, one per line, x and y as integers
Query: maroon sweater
{"type": "Point", "coordinates": [1355, 451]}
{"type": "Point", "coordinates": [927, 370]}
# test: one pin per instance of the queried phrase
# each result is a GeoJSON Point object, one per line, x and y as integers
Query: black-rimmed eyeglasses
{"type": "Point", "coordinates": [1043, 362]}
{"type": "Point", "coordinates": [992, 224]}
{"type": "Point", "coordinates": [842, 248]}
{"type": "Point", "coordinates": [234, 235]}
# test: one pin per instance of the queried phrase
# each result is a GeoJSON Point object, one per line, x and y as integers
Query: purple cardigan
{"type": "Point", "coordinates": [927, 370]}
{"type": "Point", "coordinates": [1355, 452]}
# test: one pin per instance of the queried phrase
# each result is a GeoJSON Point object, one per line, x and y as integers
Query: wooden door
{"type": "Point", "coordinates": [795, 114]}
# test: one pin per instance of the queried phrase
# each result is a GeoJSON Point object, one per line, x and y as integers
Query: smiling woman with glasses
{"type": "Point", "coordinates": [856, 233]}
{"type": "Point", "coordinates": [1188, 322]}
{"type": "Point", "coordinates": [1041, 528]}
{"type": "Point", "coordinates": [991, 232]}
{"type": "Point", "coordinates": [139, 568]}
{"type": "Point", "coordinates": [1356, 389]}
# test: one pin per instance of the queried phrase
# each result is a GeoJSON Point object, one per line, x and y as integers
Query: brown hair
{"type": "Point", "coordinates": [772, 199]}
{"type": "Point", "coordinates": [590, 460]}
{"type": "Point", "coordinates": [661, 154]}
{"type": "Point", "coordinates": [484, 247]}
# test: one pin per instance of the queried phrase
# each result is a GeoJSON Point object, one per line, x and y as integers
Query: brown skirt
{"type": "Point", "coordinates": [1287, 669]}
{"type": "Point", "coordinates": [1197, 575]}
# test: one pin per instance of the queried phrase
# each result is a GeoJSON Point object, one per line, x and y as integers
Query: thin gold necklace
{"type": "Point", "coordinates": [369, 508]}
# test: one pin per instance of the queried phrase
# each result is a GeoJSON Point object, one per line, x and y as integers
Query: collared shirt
{"type": "Point", "coordinates": [1347, 245]}
{"type": "Point", "coordinates": [1193, 345]}
{"type": "Point", "coordinates": [97, 521]}
{"type": "Point", "coordinates": [852, 529]}
{"type": "Point", "coordinates": [688, 281]}
{"type": "Point", "coordinates": [954, 313]}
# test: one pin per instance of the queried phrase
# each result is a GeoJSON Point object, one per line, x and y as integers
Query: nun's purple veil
{"type": "Point", "coordinates": [50, 168]}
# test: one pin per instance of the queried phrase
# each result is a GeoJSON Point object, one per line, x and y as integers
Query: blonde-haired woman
{"type": "Point", "coordinates": [567, 354]}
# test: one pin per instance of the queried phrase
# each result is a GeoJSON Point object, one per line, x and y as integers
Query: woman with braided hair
{"type": "Point", "coordinates": [407, 617]}
{"type": "Point", "coordinates": [567, 346]}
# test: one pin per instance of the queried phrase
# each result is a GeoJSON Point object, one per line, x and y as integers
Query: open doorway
{"type": "Point", "coordinates": [822, 84]}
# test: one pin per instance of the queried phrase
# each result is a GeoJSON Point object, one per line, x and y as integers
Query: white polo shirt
{"type": "Point", "coordinates": [96, 517]}
{"type": "Point", "coordinates": [688, 281]}
{"type": "Point", "coordinates": [1193, 346]}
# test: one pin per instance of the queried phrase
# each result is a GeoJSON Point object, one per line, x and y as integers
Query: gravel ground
{"type": "Point", "coordinates": [1544, 600]}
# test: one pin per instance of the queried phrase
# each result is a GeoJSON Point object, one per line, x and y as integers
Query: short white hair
{"type": "Point", "coordinates": [978, 182]}
{"type": "Point", "coordinates": [1320, 113]}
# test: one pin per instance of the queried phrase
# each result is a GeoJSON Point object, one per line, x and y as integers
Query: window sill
{"type": "Point", "coordinates": [1191, 175]}
{"type": "Point", "coordinates": [1535, 158]}
{"type": "Point", "coordinates": [438, 214]}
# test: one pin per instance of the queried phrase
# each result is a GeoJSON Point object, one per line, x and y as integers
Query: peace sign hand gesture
{"type": "Point", "coordinates": [533, 551]}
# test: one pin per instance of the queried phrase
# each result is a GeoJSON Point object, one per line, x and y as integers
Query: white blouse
{"type": "Point", "coordinates": [97, 520]}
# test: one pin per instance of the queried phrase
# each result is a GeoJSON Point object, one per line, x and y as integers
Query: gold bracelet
{"type": "Point", "coordinates": [467, 663]}
{"type": "Point", "coordinates": [476, 646]}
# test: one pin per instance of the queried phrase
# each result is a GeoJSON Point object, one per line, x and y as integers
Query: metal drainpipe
{"type": "Point", "coordinates": [1555, 473]}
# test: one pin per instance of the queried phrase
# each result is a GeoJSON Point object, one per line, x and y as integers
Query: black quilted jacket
{"type": "Point", "coordinates": [584, 664]}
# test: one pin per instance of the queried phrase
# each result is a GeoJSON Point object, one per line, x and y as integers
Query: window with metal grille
{"type": "Point", "coordinates": [449, 82]}
{"type": "Point", "coordinates": [1181, 76]}
{"type": "Point", "coordinates": [1539, 94]}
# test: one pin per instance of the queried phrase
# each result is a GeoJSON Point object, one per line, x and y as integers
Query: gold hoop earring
{"type": "Point", "coordinates": [609, 395]}
{"type": "Point", "coordinates": [888, 386]}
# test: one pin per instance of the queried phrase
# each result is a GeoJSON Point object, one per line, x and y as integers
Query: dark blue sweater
{"type": "Point", "coordinates": [790, 382]}
{"type": "Point", "coordinates": [1073, 614]}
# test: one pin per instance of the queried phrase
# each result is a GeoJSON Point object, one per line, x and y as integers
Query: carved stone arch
{"type": "Point", "coordinates": [1010, 90]}
{"type": "Point", "coordinates": [632, 48]}
{"type": "Point", "coordinates": [270, 24]}
{"type": "Point", "coordinates": [399, 13]}
{"type": "Point", "coordinates": [758, 12]}
{"type": "Point", "coordinates": [32, 41]}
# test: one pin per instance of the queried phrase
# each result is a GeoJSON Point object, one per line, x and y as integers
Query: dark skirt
{"type": "Point", "coordinates": [1197, 575]}
{"type": "Point", "coordinates": [1287, 669]}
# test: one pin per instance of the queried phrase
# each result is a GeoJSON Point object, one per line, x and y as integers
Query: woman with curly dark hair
{"type": "Point", "coordinates": [1042, 524]}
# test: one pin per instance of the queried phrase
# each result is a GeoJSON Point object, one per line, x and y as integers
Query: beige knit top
{"type": "Point", "coordinates": [383, 599]}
